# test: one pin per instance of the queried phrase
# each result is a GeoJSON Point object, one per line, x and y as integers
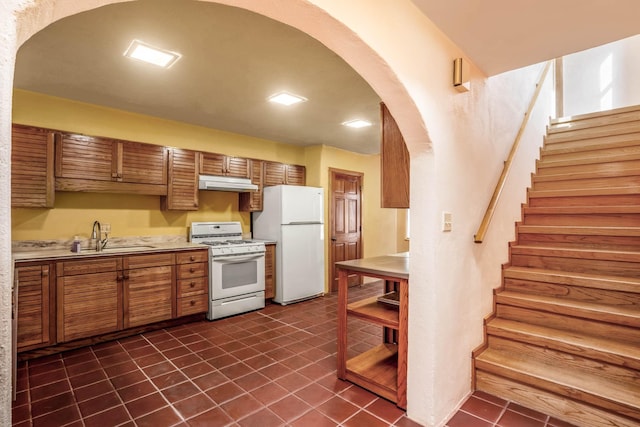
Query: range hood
{"type": "Point", "coordinates": [225, 183]}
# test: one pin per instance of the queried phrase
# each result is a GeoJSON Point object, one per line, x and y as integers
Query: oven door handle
{"type": "Point", "coordinates": [237, 259]}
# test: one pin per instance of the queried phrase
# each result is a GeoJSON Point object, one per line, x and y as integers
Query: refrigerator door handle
{"type": "Point", "coordinates": [302, 222]}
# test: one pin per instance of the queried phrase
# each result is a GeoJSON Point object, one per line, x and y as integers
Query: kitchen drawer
{"type": "Point", "coordinates": [193, 305]}
{"type": "Point", "coordinates": [187, 271]}
{"type": "Point", "coordinates": [192, 256]}
{"type": "Point", "coordinates": [193, 286]}
{"type": "Point", "coordinates": [89, 266]}
{"type": "Point", "coordinates": [150, 260]}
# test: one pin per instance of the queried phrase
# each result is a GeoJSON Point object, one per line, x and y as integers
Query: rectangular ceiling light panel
{"type": "Point", "coordinates": [358, 123]}
{"type": "Point", "coordinates": [152, 55]}
{"type": "Point", "coordinates": [285, 98]}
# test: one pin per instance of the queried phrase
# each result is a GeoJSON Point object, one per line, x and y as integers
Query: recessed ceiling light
{"type": "Point", "coordinates": [286, 98]}
{"type": "Point", "coordinates": [357, 123]}
{"type": "Point", "coordinates": [152, 55]}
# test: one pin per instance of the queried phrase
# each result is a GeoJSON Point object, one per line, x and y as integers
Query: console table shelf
{"type": "Point", "coordinates": [382, 369]}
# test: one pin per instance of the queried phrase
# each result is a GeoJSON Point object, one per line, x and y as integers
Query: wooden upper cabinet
{"type": "Point", "coordinates": [142, 163]}
{"type": "Point", "coordinates": [32, 171]}
{"type": "Point", "coordinates": [279, 173]}
{"type": "Point", "coordinates": [394, 164]}
{"type": "Point", "coordinates": [221, 165]}
{"type": "Point", "coordinates": [87, 163]}
{"type": "Point", "coordinates": [182, 191]}
{"type": "Point", "coordinates": [252, 201]}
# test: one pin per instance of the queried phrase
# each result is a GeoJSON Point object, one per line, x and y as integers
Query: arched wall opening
{"type": "Point", "coordinates": [319, 20]}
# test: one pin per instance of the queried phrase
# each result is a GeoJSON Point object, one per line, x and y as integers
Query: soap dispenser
{"type": "Point", "coordinates": [76, 246]}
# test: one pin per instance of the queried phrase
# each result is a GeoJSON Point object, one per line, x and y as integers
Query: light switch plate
{"type": "Point", "coordinates": [447, 222]}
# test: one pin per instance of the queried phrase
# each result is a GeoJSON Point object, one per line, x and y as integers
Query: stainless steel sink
{"type": "Point", "coordinates": [127, 247]}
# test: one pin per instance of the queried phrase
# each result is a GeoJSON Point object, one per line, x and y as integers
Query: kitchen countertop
{"type": "Point", "coordinates": [394, 265]}
{"type": "Point", "coordinates": [37, 254]}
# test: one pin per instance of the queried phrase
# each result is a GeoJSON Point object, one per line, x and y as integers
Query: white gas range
{"type": "Point", "coordinates": [236, 268]}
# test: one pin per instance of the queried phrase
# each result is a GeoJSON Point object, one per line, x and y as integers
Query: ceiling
{"type": "Point", "coordinates": [502, 35]}
{"type": "Point", "coordinates": [233, 59]}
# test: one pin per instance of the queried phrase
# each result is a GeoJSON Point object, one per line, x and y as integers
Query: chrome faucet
{"type": "Point", "coordinates": [96, 234]}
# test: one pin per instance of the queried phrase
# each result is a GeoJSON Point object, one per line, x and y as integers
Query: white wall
{"type": "Point", "coordinates": [457, 143]}
{"type": "Point", "coordinates": [602, 78]}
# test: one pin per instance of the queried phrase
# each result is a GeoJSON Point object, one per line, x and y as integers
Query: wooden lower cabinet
{"type": "Point", "coordinates": [270, 271]}
{"type": "Point", "coordinates": [36, 328]}
{"type": "Point", "coordinates": [193, 282]}
{"type": "Point", "coordinates": [89, 297]}
{"type": "Point", "coordinates": [105, 294]}
{"type": "Point", "coordinates": [149, 291]}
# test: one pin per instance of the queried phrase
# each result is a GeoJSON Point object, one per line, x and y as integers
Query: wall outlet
{"type": "Point", "coordinates": [447, 222]}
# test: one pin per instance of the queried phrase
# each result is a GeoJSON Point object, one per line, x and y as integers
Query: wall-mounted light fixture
{"type": "Point", "coordinates": [461, 75]}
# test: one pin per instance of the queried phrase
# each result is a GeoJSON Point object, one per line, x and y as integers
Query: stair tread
{"type": "Point", "coordinates": [599, 191]}
{"type": "Point", "coordinates": [630, 314]}
{"type": "Point", "coordinates": [573, 252]}
{"type": "Point", "coordinates": [553, 147]}
{"type": "Point", "coordinates": [622, 283]}
{"type": "Point", "coordinates": [572, 338]}
{"type": "Point", "coordinates": [566, 121]}
{"type": "Point", "coordinates": [568, 229]}
{"type": "Point", "coordinates": [569, 210]}
{"type": "Point", "coordinates": [624, 393]}
{"type": "Point", "coordinates": [579, 176]}
{"type": "Point", "coordinates": [588, 160]}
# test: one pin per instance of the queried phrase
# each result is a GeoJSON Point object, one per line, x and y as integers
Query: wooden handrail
{"type": "Point", "coordinates": [484, 225]}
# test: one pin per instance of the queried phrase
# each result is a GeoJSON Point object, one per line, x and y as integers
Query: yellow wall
{"type": "Point", "coordinates": [131, 215]}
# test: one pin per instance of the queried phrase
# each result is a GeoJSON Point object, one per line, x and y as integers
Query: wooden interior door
{"type": "Point", "coordinates": [345, 221]}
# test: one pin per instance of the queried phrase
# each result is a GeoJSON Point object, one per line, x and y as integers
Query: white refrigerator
{"type": "Point", "coordinates": [292, 216]}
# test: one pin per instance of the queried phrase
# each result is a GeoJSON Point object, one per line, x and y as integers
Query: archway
{"type": "Point", "coordinates": [328, 23]}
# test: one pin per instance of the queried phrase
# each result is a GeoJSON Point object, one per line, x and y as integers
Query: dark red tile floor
{"type": "Point", "coordinates": [273, 367]}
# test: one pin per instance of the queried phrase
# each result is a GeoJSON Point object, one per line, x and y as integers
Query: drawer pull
{"type": "Point", "coordinates": [192, 284]}
{"type": "Point", "coordinates": [192, 302]}
{"type": "Point", "coordinates": [193, 258]}
{"type": "Point", "coordinates": [192, 270]}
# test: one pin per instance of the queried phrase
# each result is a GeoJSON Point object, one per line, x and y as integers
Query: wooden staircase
{"type": "Point", "coordinates": [564, 337]}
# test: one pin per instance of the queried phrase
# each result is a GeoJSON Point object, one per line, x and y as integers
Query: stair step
{"type": "Point", "coordinates": [589, 261]}
{"type": "Point", "coordinates": [623, 167]}
{"type": "Point", "coordinates": [613, 314]}
{"type": "Point", "coordinates": [584, 216]}
{"type": "Point", "coordinates": [553, 146]}
{"type": "Point", "coordinates": [577, 253]}
{"type": "Point", "coordinates": [568, 200]}
{"type": "Point", "coordinates": [611, 283]}
{"type": "Point", "coordinates": [594, 328]}
{"type": "Point", "coordinates": [609, 387]}
{"type": "Point", "coordinates": [587, 173]}
{"type": "Point", "coordinates": [582, 231]}
{"type": "Point", "coordinates": [617, 115]}
{"type": "Point", "coordinates": [590, 131]}
{"type": "Point", "coordinates": [571, 237]}
{"type": "Point", "coordinates": [602, 152]}
{"type": "Point", "coordinates": [569, 183]}
{"type": "Point", "coordinates": [573, 342]}
{"type": "Point", "coordinates": [554, 162]}
{"type": "Point", "coordinates": [573, 210]}
{"type": "Point", "coordinates": [558, 406]}
{"type": "Point", "coordinates": [605, 191]}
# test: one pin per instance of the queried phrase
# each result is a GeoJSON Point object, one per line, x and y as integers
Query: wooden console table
{"type": "Point", "coordinates": [382, 369]}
